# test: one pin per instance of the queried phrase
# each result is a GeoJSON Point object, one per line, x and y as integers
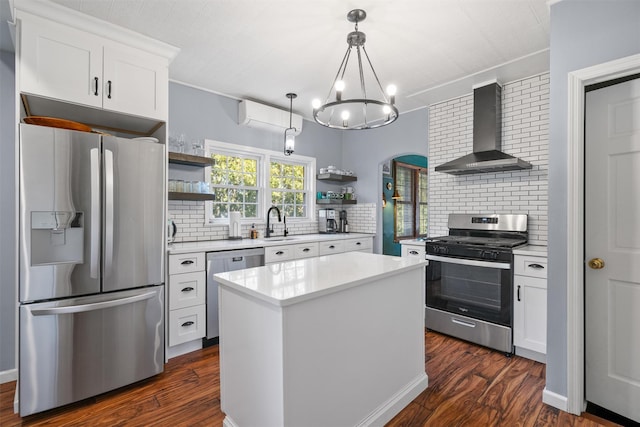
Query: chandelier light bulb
{"type": "Point", "coordinates": [392, 90]}
{"type": "Point", "coordinates": [345, 115]}
{"type": "Point", "coordinates": [386, 109]}
{"type": "Point", "coordinates": [339, 85]}
{"type": "Point", "coordinates": [316, 103]}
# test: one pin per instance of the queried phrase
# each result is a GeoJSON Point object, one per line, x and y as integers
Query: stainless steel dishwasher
{"type": "Point", "coordinates": [219, 262]}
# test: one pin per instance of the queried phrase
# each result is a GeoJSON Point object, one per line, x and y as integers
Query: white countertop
{"type": "Point", "coordinates": [225, 245]}
{"type": "Point", "coordinates": [537, 250]}
{"type": "Point", "coordinates": [291, 282]}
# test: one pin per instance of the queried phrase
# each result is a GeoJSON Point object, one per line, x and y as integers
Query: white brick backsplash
{"type": "Point", "coordinates": [525, 134]}
{"type": "Point", "coordinates": [190, 220]}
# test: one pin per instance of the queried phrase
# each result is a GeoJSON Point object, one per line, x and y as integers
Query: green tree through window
{"type": "Point", "coordinates": [288, 189]}
{"type": "Point", "coordinates": [234, 180]}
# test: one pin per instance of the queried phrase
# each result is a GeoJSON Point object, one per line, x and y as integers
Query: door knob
{"type": "Point", "coordinates": [596, 263]}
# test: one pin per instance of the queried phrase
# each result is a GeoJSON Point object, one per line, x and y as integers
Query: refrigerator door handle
{"type": "Point", "coordinates": [94, 263]}
{"type": "Point", "coordinates": [108, 211]}
{"type": "Point", "coordinates": [83, 308]}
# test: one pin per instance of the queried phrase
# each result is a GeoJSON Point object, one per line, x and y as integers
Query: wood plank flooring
{"type": "Point", "coordinates": [468, 386]}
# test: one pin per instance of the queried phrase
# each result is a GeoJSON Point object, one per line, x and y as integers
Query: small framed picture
{"type": "Point", "coordinates": [386, 167]}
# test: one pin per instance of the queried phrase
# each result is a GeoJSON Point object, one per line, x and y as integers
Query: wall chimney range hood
{"type": "Point", "coordinates": [487, 138]}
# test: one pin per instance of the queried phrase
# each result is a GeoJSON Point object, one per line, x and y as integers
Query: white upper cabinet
{"type": "Point", "coordinates": [61, 62]}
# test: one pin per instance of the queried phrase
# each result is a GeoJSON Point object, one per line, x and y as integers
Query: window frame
{"type": "Point", "coordinates": [264, 171]}
{"type": "Point", "coordinates": [413, 202]}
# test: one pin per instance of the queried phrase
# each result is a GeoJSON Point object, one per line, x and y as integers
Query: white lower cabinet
{"type": "Point", "coordinates": [187, 289]}
{"type": "Point", "coordinates": [530, 306]}
{"type": "Point", "coordinates": [359, 245]}
{"type": "Point", "coordinates": [331, 247]}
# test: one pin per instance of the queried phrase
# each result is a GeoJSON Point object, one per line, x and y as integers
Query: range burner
{"type": "Point", "coordinates": [495, 242]}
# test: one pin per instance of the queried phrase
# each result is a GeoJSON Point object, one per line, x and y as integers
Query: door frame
{"type": "Point", "coordinates": [577, 80]}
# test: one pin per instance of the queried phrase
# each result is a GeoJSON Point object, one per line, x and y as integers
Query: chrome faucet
{"type": "Point", "coordinates": [269, 229]}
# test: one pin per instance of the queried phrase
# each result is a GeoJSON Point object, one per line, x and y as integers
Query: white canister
{"type": "Point", "coordinates": [235, 228]}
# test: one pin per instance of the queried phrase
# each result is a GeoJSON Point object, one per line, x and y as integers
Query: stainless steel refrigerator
{"type": "Point", "coordinates": [92, 233]}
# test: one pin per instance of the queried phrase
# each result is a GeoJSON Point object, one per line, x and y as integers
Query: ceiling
{"type": "Point", "coordinates": [432, 50]}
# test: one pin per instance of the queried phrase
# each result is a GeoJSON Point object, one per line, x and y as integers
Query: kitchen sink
{"type": "Point", "coordinates": [278, 239]}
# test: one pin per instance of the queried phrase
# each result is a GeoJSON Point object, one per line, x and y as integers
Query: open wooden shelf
{"type": "Point", "coordinates": [188, 159]}
{"type": "Point", "coordinates": [335, 177]}
{"type": "Point", "coordinates": [191, 196]}
{"type": "Point", "coordinates": [336, 201]}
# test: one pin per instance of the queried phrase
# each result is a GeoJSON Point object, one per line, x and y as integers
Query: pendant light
{"type": "Point", "coordinates": [348, 106]}
{"type": "Point", "coordinates": [290, 132]}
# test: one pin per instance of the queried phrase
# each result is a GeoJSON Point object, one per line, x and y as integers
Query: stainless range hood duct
{"type": "Point", "coordinates": [487, 138]}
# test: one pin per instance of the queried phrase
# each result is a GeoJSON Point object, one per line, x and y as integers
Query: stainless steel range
{"type": "Point", "coordinates": [470, 278]}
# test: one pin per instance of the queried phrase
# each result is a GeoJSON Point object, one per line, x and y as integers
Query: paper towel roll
{"type": "Point", "coordinates": [235, 231]}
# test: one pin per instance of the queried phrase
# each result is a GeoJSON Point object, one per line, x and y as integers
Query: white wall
{"type": "Point", "coordinates": [583, 33]}
{"type": "Point", "coordinates": [525, 125]}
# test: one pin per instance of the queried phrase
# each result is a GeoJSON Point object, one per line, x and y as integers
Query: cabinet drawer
{"type": "Point", "coordinates": [187, 289]}
{"type": "Point", "coordinates": [533, 266]}
{"type": "Point", "coordinates": [278, 253]}
{"type": "Point", "coordinates": [331, 247]}
{"type": "Point", "coordinates": [413, 251]}
{"type": "Point", "coordinates": [362, 245]}
{"type": "Point", "coordinates": [186, 263]}
{"type": "Point", "coordinates": [187, 324]}
{"type": "Point", "coordinates": [306, 250]}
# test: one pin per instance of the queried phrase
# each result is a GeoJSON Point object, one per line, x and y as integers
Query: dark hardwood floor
{"type": "Point", "coordinates": [468, 386]}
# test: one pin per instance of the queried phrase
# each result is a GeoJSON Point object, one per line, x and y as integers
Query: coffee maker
{"type": "Point", "coordinates": [327, 221]}
{"type": "Point", "coordinates": [343, 225]}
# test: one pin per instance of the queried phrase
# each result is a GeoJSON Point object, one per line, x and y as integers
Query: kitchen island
{"type": "Point", "coordinates": [335, 340]}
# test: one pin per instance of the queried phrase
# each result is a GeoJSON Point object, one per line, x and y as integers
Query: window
{"type": "Point", "coordinates": [234, 181]}
{"type": "Point", "coordinates": [288, 189]}
{"type": "Point", "coordinates": [410, 215]}
{"type": "Point", "coordinates": [249, 180]}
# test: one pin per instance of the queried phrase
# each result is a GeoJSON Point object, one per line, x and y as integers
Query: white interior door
{"type": "Point", "coordinates": [612, 248]}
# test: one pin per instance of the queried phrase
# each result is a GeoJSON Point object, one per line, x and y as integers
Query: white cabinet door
{"type": "Point", "coordinates": [279, 253]}
{"type": "Point", "coordinates": [359, 245]}
{"type": "Point", "coordinates": [530, 313]}
{"type": "Point", "coordinates": [306, 250]}
{"type": "Point", "coordinates": [413, 251]}
{"type": "Point", "coordinates": [60, 62]}
{"type": "Point", "coordinates": [135, 82]}
{"type": "Point", "coordinates": [331, 247]}
{"type": "Point", "coordinates": [187, 289]}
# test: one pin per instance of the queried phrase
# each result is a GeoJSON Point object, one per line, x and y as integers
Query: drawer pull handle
{"type": "Point", "coordinates": [306, 250]}
{"type": "Point", "coordinates": [332, 247]}
{"type": "Point", "coordinates": [187, 262]}
{"type": "Point", "coordinates": [358, 244]}
{"type": "Point", "coordinates": [95, 79]}
{"type": "Point", "coordinates": [187, 289]}
{"type": "Point", "coordinates": [413, 252]}
{"type": "Point", "coordinates": [463, 323]}
{"type": "Point", "coordinates": [536, 266]}
{"type": "Point", "coordinates": [279, 253]}
{"type": "Point", "coordinates": [189, 323]}
{"type": "Point", "coordinates": [519, 293]}
{"type": "Point", "coordinates": [109, 89]}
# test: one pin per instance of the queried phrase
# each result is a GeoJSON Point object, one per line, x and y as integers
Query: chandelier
{"type": "Point", "coordinates": [349, 107]}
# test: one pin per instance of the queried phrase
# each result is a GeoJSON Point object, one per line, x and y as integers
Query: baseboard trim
{"type": "Point", "coordinates": [8, 376]}
{"type": "Point", "coordinates": [389, 409]}
{"type": "Point", "coordinates": [554, 399]}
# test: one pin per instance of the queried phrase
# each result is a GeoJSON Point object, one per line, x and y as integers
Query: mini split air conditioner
{"type": "Point", "coordinates": [263, 116]}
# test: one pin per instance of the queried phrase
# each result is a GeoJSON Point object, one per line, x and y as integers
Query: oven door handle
{"type": "Point", "coordinates": [471, 262]}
